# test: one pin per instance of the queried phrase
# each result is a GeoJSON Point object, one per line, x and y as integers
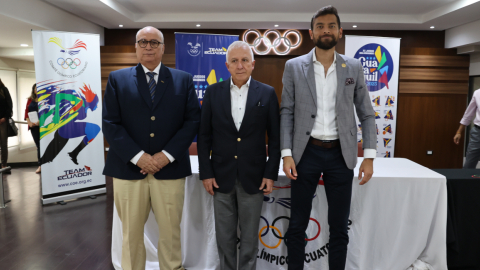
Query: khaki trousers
{"type": "Point", "coordinates": [133, 200]}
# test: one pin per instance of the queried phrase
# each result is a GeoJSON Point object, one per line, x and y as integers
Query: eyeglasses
{"type": "Point", "coordinates": [153, 43]}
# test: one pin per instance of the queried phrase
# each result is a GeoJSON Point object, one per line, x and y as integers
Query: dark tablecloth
{"type": "Point", "coordinates": [463, 224]}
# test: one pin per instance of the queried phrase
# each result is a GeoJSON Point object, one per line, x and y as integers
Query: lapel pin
{"type": "Point", "coordinates": [162, 81]}
{"type": "Point", "coordinates": [344, 65]}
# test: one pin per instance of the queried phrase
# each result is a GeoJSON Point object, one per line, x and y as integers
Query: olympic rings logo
{"type": "Point", "coordinates": [69, 63]}
{"type": "Point", "coordinates": [280, 39]}
{"type": "Point", "coordinates": [278, 234]}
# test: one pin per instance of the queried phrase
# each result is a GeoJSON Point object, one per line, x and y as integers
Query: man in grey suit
{"type": "Point", "coordinates": [318, 135]}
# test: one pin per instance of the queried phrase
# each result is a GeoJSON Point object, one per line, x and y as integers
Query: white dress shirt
{"type": "Point", "coordinates": [135, 159]}
{"type": "Point", "coordinates": [325, 127]}
{"type": "Point", "coordinates": [238, 98]}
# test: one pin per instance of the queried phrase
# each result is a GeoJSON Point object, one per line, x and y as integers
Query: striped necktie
{"type": "Point", "coordinates": [152, 84]}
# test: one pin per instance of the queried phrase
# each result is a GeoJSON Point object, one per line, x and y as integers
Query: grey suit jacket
{"type": "Point", "coordinates": [299, 107]}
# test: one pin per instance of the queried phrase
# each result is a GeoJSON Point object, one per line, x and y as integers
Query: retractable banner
{"type": "Point", "coordinates": [203, 56]}
{"type": "Point", "coordinates": [67, 67]}
{"type": "Point", "coordinates": [380, 58]}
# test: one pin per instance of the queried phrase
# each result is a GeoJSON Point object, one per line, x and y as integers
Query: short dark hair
{"type": "Point", "coordinates": [325, 11]}
{"type": "Point", "coordinates": [1, 84]}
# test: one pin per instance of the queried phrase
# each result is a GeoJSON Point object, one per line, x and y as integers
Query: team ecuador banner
{"type": "Point", "coordinates": [67, 67]}
{"type": "Point", "coordinates": [203, 56]}
{"type": "Point", "coordinates": [380, 60]}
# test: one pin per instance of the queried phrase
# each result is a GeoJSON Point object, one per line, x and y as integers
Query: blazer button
{"type": "Point", "coordinates": [308, 132]}
{"type": "Point", "coordinates": [239, 139]}
{"type": "Point", "coordinates": [152, 135]}
{"type": "Point", "coordinates": [313, 116]}
{"type": "Point", "coordinates": [235, 157]}
{"type": "Point", "coordinates": [153, 118]}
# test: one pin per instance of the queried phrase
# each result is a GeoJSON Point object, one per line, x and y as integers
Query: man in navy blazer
{"type": "Point", "coordinates": [150, 117]}
{"type": "Point", "coordinates": [236, 114]}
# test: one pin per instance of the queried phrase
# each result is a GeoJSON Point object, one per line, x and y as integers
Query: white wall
{"type": "Point", "coordinates": [15, 154]}
{"type": "Point", "coordinates": [16, 64]}
{"type": "Point", "coordinates": [462, 35]}
{"type": "Point", "coordinates": [475, 64]}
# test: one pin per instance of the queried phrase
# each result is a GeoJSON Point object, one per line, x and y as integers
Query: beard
{"type": "Point", "coordinates": [326, 45]}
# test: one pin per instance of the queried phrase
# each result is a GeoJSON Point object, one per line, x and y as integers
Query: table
{"type": "Point", "coordinates": [463, 231]}
{"type": "Point", "coordinates": [397, 221]}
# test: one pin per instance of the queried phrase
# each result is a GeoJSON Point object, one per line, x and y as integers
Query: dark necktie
{"type": "Point", "coordinates": [152, 84]}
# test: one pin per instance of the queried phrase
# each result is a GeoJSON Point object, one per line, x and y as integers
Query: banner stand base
{"type": "Point", "coordinates": [75, 195]}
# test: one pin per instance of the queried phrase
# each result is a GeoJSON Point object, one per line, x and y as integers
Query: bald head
{"type": "Point", "coordinates": [148, 56]}
{"type": "Point", "coordinates": [152, 30]}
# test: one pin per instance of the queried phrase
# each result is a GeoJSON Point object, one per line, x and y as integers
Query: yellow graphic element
{"type": "Point", "coordinates": [273, 228]}
{"type": "Point", "coordinates": [57, 41]}
{"type": "Point", "coordinates": [52, 127]}
{"type": "Point", "coordinates": [224, 49]}
{"type": "Point", "coordinates": [212, 78]}
{"type": "Point", "coordinates": [378, 54]}
{"type": "Point", "coordinates": [344, 65]}
{"type": "Point", "coordinates": [41, 92]}
{"type": "Point", "coordinates": [43, 97]}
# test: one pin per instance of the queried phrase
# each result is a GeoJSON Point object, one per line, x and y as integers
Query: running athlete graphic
{"type": "Point", "coordinates": [60, 111]}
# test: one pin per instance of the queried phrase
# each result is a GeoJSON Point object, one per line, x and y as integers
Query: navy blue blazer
{"type": "Point", "coordinates": [239, 154]}
{"type": "Point", "coordinates": [132, 122]}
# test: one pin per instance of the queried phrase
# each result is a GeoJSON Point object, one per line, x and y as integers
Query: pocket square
{"type": "Point", "coordinates": [349, 81]}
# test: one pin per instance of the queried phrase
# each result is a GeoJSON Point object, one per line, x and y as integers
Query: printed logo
{"type": "Point", "coordinates": [389, 115]}
{"type": "Point", "coordinates": [387, 129]}
{"type": "Point", "coordinates": [74, 173]}
{"type": "Point", "coordinates": [377, 128]}
{"type": "Point", "coordinates": [377, 66]}
{"type": "Point", "coordinates": [69, 60]}
{"type": "Point", "coordinates": [217, 51]}
{"type": "Point", "coordinates": [376, 101]}
{"type": "Point", "coordinates": [386, 141]}
{"type": "Point", "coordinates": [377, 115]}
{"type": "Point", "coordinates": [194, 50]}
{"type": "Point", "coordinates": [387, 154]}
{"type": "Point", "coordinates": [390, 101]}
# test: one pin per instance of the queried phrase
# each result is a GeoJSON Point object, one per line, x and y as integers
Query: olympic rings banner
{"type": "Point", "coordinates": [272, 248]}
{"type": "Point", "coordinates": [282, 44]}
{"type": "Point", "coordinates": [67, 67]}
{"type": "Point", "coordinates": [380, 58]}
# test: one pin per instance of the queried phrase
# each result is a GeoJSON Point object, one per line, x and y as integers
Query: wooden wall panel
{"type": "Point", "coordinates": [434, 74]}
{"type": "Point", "coordinates": [432, 88]}
{"type": "Point", "coordinates": [434, 61]}
{"type": "Point", "coordinates": [429, 122]}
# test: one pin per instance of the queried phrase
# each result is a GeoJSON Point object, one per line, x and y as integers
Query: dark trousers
{"type": "Point", "coordinates": [4, 142]}
{"type": "Point", "coordinates": [338, 188]}
{"type": "Point", "coordinates": [36, 138]}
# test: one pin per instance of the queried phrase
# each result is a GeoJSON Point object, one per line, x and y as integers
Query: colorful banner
{"type": "Point", "coordinates": [380, 58]}
{"type": "Point", "coordinates": [68, 79]}
{"type": "Point", "coordinates": [203, 56]}
{"type": "Point", "coordinates": [274, 221]}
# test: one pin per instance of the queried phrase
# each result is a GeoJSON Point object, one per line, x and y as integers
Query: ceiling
{"type": "Point", "coordinates": [19, 17]}
{"type": "Point", "coordinates": [264, 14]}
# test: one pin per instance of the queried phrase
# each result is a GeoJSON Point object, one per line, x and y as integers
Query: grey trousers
{"type": "Point", "coordinates": [237, 208]}
{"type": "Point", "coordinates": [473, 150]}
{"type": "Point", "coordinates": [4, 142]}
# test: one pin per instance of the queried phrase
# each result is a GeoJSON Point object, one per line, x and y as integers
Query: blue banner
{"type": "Point", "coordinates": [203, 56]}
